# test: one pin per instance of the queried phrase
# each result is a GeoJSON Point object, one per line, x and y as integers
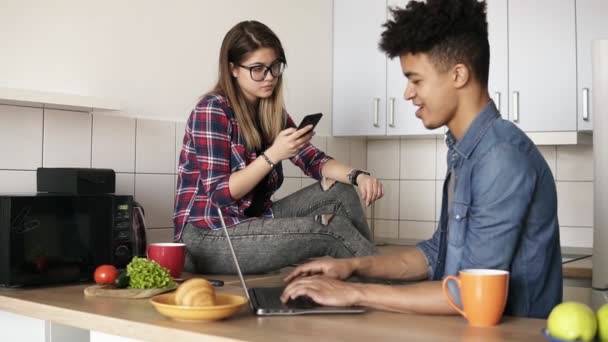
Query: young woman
{"type": "Point", "coordinates": [235, 141]}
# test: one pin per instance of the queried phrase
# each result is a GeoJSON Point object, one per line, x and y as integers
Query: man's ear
{"type": "Point", "coordinates": [461, 75]}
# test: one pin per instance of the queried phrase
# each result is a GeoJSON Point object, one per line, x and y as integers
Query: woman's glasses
{"type": "Point", "coordinates": [258, 72]}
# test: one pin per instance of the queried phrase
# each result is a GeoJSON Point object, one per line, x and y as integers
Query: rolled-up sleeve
{"type": "Point", "coordinates": [430, 249]}
{"type": "Point", "coordinates": [211, 136]}
{"type": "Point", "coordinates": [503, 185]}
{"type": "Point", "coordinates": [309, 159]}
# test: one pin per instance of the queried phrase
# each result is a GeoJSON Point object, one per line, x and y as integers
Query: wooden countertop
{"type": "Point", "coordinates": [578, 269]}
{"type": "Point", "coordinates": [136, 318]}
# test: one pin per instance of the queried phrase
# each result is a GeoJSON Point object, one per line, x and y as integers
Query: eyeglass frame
{"type": "Point", "coordinates": [267, 69]}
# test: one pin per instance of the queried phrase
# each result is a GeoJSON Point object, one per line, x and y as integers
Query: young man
{"type": "Point", "coordinates": [499, 206]}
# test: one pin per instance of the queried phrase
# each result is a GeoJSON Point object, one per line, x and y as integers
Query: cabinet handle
{"type": "Point", "coordinates": [391, 112]}
{"type": "Point", "coordinates": [376, 111]}
{"type": "Point", "coordinates": [586, 104]}
{"type": "Point", "coordinates": [515, 106]}
{"type": "Point", "coordinates": [497, 100]}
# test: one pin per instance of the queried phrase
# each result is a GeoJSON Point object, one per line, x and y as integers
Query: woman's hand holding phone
{"type": "Point", "coordinates": [289, 142]}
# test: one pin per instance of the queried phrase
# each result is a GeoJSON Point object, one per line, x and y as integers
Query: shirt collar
{"type": "Point", "coordinates": [475, 132]}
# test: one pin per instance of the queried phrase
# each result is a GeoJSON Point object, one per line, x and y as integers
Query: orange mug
{"type": "Point", "coordinates": [483, 293]}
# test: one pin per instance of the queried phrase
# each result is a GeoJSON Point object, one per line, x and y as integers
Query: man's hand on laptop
{"type": "Point", "coordinates": [324, 290]}
{"type": "Point", "coordinates": [329, 267]}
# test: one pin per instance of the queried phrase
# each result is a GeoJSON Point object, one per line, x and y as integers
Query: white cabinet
{"type": "Point", "coordinates": [540, 69]}
{"type": "Point", "coordinates": [498, 81]}
{"type": "Point", "coordinates": [368, 87]}
{"type": "Point", "coordinates": [591, 24]}
{"type": "Point", "coordinates": [542, 65]}
{"type": "Point", "coordinates": [359, 83]}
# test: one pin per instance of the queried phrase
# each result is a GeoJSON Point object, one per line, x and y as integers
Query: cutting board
{"type": "Point", "coordinates": [111, 291]}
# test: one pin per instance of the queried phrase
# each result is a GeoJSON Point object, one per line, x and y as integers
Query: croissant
{"type": "Point", "coordinates": [195, 292]}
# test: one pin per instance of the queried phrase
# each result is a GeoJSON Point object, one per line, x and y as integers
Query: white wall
{"type": "Point", "coordinates": [156, 57]}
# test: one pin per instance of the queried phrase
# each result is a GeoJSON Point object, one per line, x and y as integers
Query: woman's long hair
{"type": "Point", "coordinates": [244, 38]}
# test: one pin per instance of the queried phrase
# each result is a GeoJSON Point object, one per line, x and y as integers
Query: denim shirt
{"type": "Point", "coordinates": [503, 215]}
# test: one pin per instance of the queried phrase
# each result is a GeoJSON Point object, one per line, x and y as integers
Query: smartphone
{"type": "Point", "coordinates": [310, 119]}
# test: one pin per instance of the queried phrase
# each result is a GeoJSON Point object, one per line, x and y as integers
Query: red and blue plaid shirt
{"type": "Point", "coordinates": [212, 149]}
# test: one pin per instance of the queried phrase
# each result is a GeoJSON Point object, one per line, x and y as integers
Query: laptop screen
{"type": "Point", "coordinates": [236, 261]}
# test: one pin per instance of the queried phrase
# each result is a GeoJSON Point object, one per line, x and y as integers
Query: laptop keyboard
{"type": "Point", "coordinates": [270, 297]}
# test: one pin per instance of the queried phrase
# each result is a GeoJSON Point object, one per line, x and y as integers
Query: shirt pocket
{"type": "Point", "coordinates": [457, 224]}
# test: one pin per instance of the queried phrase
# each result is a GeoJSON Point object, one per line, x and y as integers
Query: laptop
{"type": "Point", "coordinates": [265, 301]}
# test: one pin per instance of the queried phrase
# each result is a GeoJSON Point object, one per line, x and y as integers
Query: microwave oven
{"type": "Point", "coordinates": [52, 238]}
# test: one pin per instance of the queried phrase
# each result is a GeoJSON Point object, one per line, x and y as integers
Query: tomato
{"type": "Point", "coordinates": [105, 274]}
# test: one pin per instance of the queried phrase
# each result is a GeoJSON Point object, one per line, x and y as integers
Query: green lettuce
{"type": "Point", "coordinates": [147, 274]}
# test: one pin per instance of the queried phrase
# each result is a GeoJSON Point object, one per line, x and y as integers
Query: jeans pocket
{"type": "Point", "coordinates": [457, 224]}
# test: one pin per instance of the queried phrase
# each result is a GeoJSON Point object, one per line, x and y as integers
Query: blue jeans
{"type": "Point", "coordinates": [295, 234]}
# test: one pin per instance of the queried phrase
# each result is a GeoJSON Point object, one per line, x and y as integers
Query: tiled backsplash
{"type": "Point", "coordinates": [144, 154]}
{"type": "Point", "coordinates": [413, 172]}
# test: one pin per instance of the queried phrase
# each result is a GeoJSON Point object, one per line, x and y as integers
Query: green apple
{"type": "Point", "coordinates": [572, 321]}
{"type": "Point", "coordinates": [602, 322]}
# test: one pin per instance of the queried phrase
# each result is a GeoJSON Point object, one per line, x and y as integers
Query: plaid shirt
{"type": "Point", "coordinates": [212, 150]}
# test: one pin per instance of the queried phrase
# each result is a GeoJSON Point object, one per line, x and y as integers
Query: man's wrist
{"type": "Point", "coordinates": [355, 264]}
{"type": "Point", "coordinates": [360, 295]}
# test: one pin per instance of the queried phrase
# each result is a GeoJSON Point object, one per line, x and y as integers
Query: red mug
{"type": "Point", "coordinates": [170, 255]}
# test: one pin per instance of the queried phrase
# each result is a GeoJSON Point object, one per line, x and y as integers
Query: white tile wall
{"type": "Point", "coordinates": [576, 236]}
{"type": "Point", "coordinates": [388, 206]}
{"type": "Point", "coordinates": [416, 230]}
{"type": "Point", "coordinates": [358, 153]}
{"type": "Point", "coordinates": [575, 203]}
{"type": "Point", "coordinates": [113, 143]}
{"type": "Point", "coordinates": [385, 229]}
{"type": "Point", "coordinates": [549, 152]}
{"type": "Point", "coordinates": [30, 139]}
{"type": "Point", "coordinates": [441, 159]}
{"type": "Point", "coordinates": [383, 158]}
{"type": "Point", "coordinates": [156, 192]}
{"type": "Point", "coordinates": [12, 181]}
{"type": "Point", "coordinates": [290, 170]}
{"type": "Point", "coordinates": [419, 161]}
{"type": "Point", "coordinates": [155, 147]}
{"type": "Point", "coordinates": [67, 139]}
{"type": "Point", "coordinates": [154, 235]}
{"type": "Point", "coordinates": [417, 200]}
{"type": "Point", "coordinates": [20, 127]}
{"type": "Point", "coordinates": [574, 163]}
{"type": "Point", "coordinates": [319, 142]}
{"type": "Point", "coordinates": [290, 185]}
{"type": "Point", "coordinates": [339, 149]}
{"type": "Point", "coordinates": [412, 170]}
{"type": "Point", "coordinates": [125, 184]}
{"type": "Point", "coordinates": [306, 181]}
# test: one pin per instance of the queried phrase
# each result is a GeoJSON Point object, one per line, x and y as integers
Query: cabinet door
{"type": "Point", "coordinates": [542, 65]}
{"type": "Point", "coordinates": [498, 82]}
{"type": "Point", "coordinates": [591, 24]}
{"type": "Point", "coordinates": [400, 114]}
{"type": "Point", "coordinates": [359, 84]}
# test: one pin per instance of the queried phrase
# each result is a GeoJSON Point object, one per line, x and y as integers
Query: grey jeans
{"type": "Point", "coordinates": [292, 236]}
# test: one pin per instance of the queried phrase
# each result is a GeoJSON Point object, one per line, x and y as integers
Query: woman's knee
{"type": "Point", "coordinates": [345, 190]}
